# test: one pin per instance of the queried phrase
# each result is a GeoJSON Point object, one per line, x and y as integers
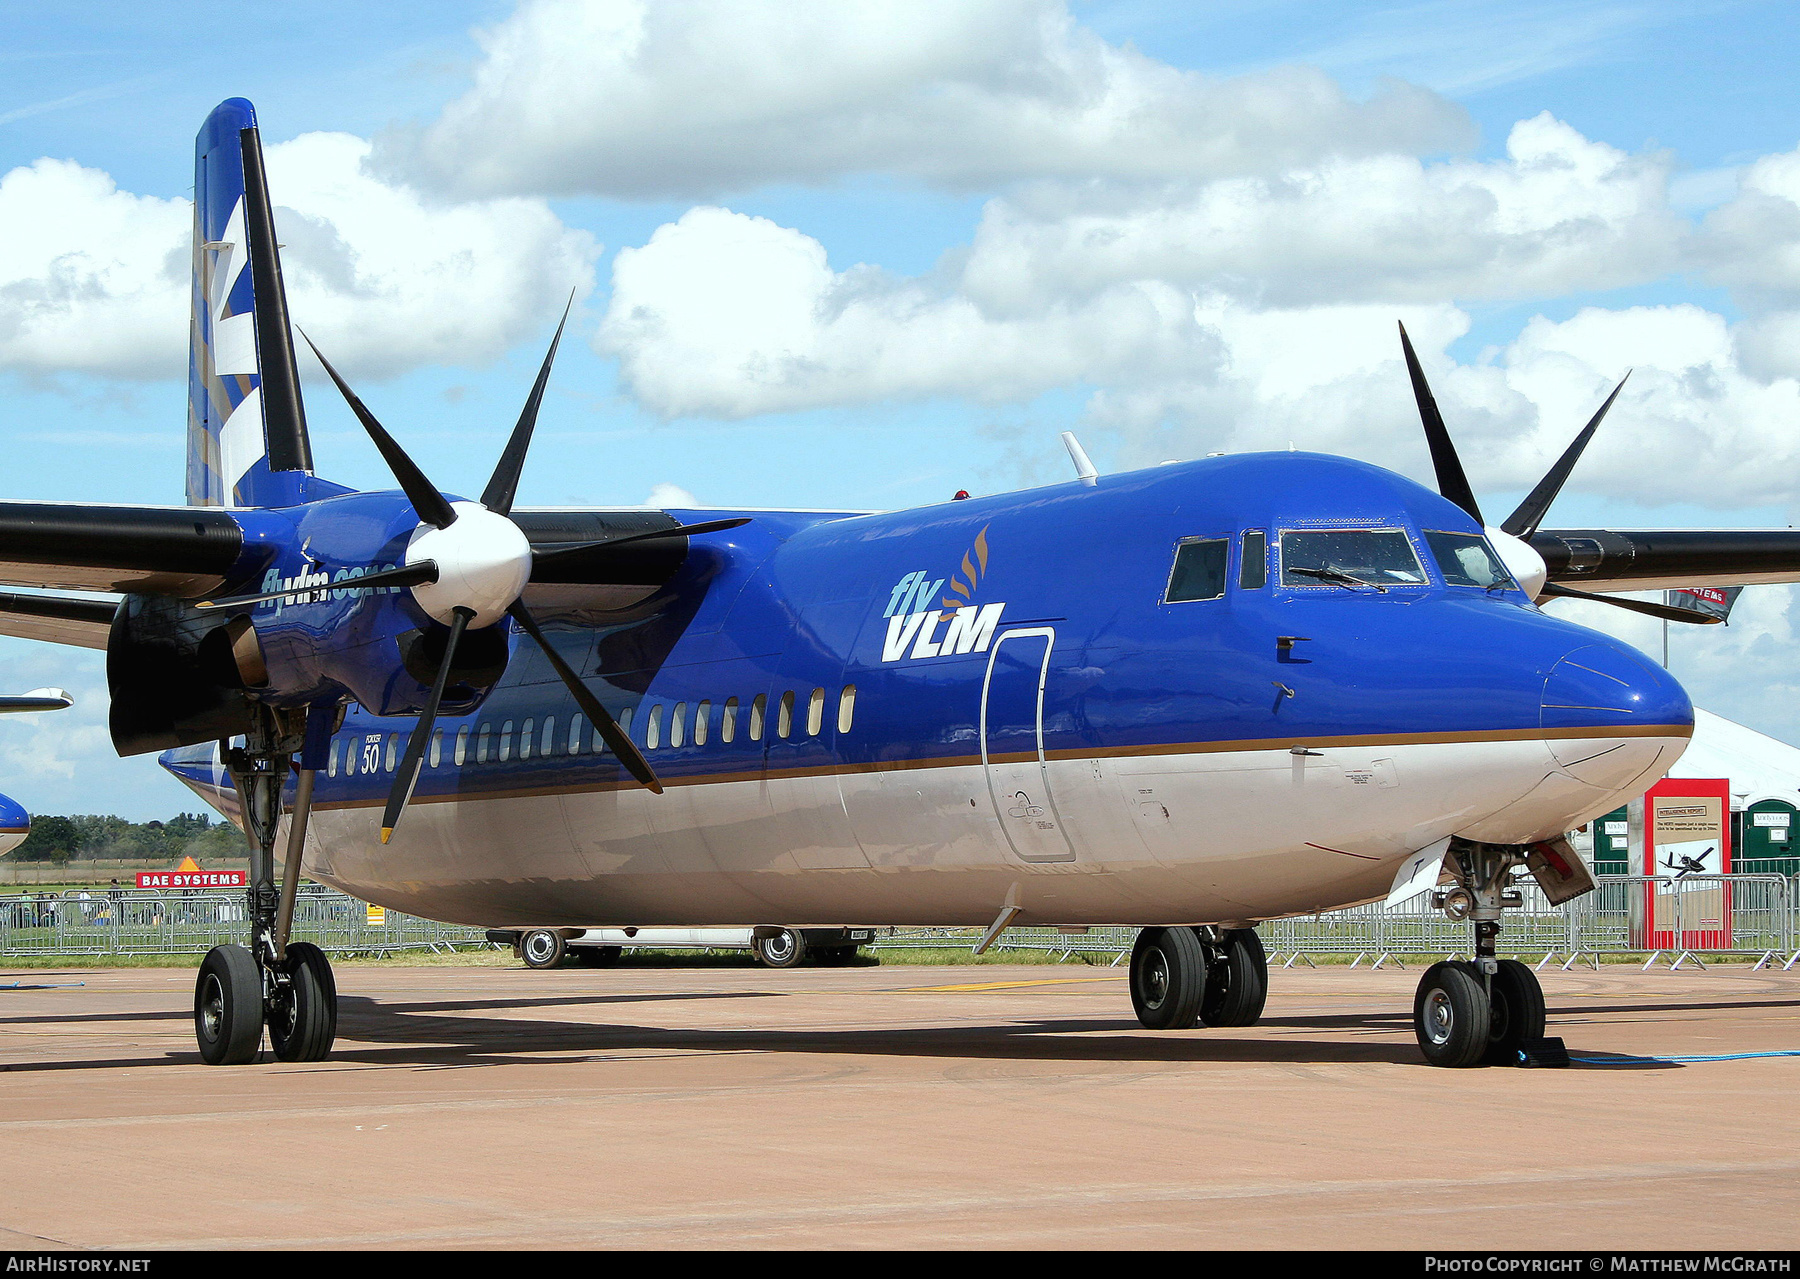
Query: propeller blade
{"type": "Point", "coordinates": [552, 554]}
{"type": "Point", "coordinates": [1667, 612]}
{"type": "Point", "coordinates": [503, 486]}
{"type": "Point", "coordinates": [1452, 483]}
{"type": "Point", "coordinates": [408, 776]}
{"type": "Point", "coordinates": [406, 575]}
{"type": "Point", "coordinates": [1524, 521]}
{"type": "Point", "coordinates": [590, 705]}
{"type": "Point", "coordinates": [432, 506]}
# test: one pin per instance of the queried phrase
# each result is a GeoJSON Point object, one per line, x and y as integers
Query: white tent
{"type": "Point", "coordinates": [1757, 765]}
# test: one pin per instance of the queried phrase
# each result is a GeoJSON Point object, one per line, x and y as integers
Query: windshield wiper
{"type": "Point", "coordinates": [1337, 576]}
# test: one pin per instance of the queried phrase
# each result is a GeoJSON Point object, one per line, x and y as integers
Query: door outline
{"type": "Point", "coordinates": [1048, 633]}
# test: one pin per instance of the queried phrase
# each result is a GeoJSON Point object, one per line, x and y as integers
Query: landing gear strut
{"type": "Point", "coordinates": [286, 986]}
{"type": "Point", "coordinates": [1484, 1011]}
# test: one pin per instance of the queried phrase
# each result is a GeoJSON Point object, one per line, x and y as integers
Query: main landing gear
{"type": "Point", "coordinates": [1487, 1011]}
{"type": "Point", "coordinates": [1182, 976]}
{"type": "Point", "coordinates": [286, 986]}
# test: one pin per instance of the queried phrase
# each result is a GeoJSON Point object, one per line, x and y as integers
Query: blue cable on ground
{"type": "Point", "coordinates": [1638, 1061]}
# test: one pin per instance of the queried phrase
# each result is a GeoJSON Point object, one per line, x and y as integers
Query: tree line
{"type": "Point", "coordinates": [100, 836]}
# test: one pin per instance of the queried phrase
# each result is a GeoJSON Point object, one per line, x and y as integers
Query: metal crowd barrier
{"type": "Point", "coordinates": [1749, 916]}
{"type": "Point", "coordinates": [174, 922]}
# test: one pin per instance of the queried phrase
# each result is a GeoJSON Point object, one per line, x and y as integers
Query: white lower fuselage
{"type": "Point", "coordinates": [1196, 836]}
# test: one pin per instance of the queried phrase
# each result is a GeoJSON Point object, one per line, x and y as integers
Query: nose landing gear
{"type": "Point", "coordinates": [1487, 1011]}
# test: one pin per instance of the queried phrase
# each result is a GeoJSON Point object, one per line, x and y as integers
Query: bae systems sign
{"type": "Point", "coordinates": [191, 879]}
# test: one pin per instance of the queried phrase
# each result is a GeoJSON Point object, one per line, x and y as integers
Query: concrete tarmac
{"type": "Point", "coordinates": [881, 1107]}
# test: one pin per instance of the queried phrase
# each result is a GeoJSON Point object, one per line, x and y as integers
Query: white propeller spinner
{"type": "Point", "coordinates": [483, 561]}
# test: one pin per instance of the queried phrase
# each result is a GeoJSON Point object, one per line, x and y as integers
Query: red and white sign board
{"type": "Point", "coordinates": [192, 879]}
{"type": "Point", "coordinates": [1687, 845]}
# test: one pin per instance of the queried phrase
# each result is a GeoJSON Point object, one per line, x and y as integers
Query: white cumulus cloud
{"type": "Point", "coordinates": [699, 98]}
{"type": "Point", "coordinates": [729, 316]}
{"type": "Point", "coordinates": [96, 280]}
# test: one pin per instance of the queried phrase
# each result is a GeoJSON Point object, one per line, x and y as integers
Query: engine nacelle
{"type": "Point", "coordinates": [178, 675]}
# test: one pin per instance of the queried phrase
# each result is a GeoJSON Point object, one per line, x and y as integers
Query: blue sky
{"type": "Point", "coordinates": [928, 296]}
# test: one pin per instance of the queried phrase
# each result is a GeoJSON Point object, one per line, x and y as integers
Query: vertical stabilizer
{"type": "Point", "coordinates": [247, 443]}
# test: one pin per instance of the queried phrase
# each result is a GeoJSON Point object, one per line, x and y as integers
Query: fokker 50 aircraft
{"type": "Point", "coordinates": [1187, 698]}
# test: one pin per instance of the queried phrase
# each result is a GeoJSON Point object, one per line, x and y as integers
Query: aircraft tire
{"type": "Point", "coordinates": [303, 1024]}
{"type": "Point", "coordinates": [1452, 1016]}
{"type": "Point", "coordinates": [1237, 982]}
{"type": "Point", "coordinates": [1518, 1012]}
{"type": "Point", "coordinates": [228, 1006]}
{"type": "Point", "coordinates": [596, 956]}
{"type": "Point", "coordinates": [1168, 978]}
{"type": "Point", "coordinates": [784, 950]}
{"type": "Point", "coordinates": [543, 948]}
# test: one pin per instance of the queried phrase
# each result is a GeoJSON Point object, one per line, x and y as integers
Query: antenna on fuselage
{"type": "Point", "coordinates": [1078, 455]}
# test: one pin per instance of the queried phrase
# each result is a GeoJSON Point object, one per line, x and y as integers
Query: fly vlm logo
{"type": "Point", "coordinates": [915, 611]}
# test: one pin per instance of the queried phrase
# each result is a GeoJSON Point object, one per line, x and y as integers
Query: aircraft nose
{"type": "Point", "coordinates": [1608, 712]}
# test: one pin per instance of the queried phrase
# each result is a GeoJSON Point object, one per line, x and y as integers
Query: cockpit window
{"type": "Point", "coordinates": [1199, 572]}
{"type": "Point", "coordinates": [1467, 560]}
{"type": "Point", "coordinates": [1349, 557]}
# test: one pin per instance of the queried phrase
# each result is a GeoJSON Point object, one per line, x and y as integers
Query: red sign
{"type": "Point", "coordinates": [1687, 848]}
{"type": "Point", "coordinates": [192, 879]}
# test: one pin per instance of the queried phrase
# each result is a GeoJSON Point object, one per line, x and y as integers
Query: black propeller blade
{"type": "Point", "coordinates": [590, 705]}
{"type": "Point", "coordinates": [1524, 521]}
{"type": "Point", "coordinates": [1667, 612]}
{"type": "Point", "coordinates": [405, 575]}
{"type": "Point", "coordinates": [1452, 483]}
{"type": "Point", "coordinates": [554, 553]}
{"type": "Point", "coordinates": [432, 506]}
{"type": "Point", "coordinates": [408, 775]}
{"type": "Point", "coordinates": [504, 483]}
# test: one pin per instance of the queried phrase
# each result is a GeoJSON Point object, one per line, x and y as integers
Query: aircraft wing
{"type": "Point", "coordinates": [186, 551]}
{"type": "Point", "coordinates": [59, 619]}
{"type": "Point", "coordinates": [1655, 559]}
{"type": "Point", "coordinates": [38, 699]}
{"type": "Point", "coordinates": [190, 552]}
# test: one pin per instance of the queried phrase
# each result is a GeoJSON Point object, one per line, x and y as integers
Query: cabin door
{"type": "Point", "coordinates": [1012, 745]}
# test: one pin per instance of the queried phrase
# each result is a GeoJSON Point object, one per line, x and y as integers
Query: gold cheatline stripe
{"type": "Point", "coordinates": [1024, 757]}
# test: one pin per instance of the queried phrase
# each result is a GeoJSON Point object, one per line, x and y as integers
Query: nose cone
{"type": "Point", "coordinates": [15, 824]}
{"type": "Point", "coordinates": [1613, 685]}
{"type": "Point", "coordinates": [1604, 695]}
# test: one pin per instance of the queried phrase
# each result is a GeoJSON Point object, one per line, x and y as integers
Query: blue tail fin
{"type": "Point", "coordinates": [247, 442]}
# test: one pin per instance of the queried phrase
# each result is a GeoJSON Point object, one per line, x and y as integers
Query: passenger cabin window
{"type": "Point", "coordinates": [784, 717]}
{"type": "Point", "coordinates": [728, 720]}
{"type": "Point", "coordinates": [702, 725]}
{"type": "Point", "coordinates": [815, 712]}
{"type": "Point", "coordinates": [547, 743]}
{"type": "Point", "coordinates": [1253, 569]}
{"type": "Point", "coordinates": [624, 727]}
{"type": "Point", "coordinates": [1467, 560]}
{"type": "Point", "coordinates": [437, 748]}
{"type": "Point", "coordinates": [846, 708]}
{"type": "Point", "coordinates": [678, 725]}
{"type": "Point", "coordinates": [506, 732]}
{"type": "Point", "coordinates": [1199, 572]}
{"type": "Point", "coordinates": [574, 734]}
{"type": "Point", "coordinates": [462, 746]}
{"type": "Point", "coordinates": [653, 730]}
{"type": "Point", "coordinates": [393, 750]}
{"type": "Point", "coordinates": [525, 739]}
{"type": "Point", "coordinates": [758, 712]}
{"type": "Point", "coordinates": [1349, 557]}
{"type": "Point", "coordinates": [331, 757]}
